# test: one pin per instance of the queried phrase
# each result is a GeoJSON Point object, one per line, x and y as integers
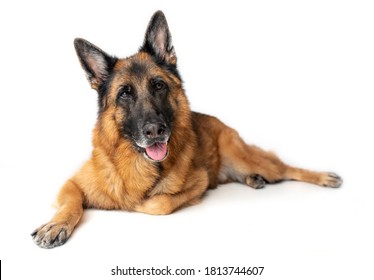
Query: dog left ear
{"type": "Point", "coordinates": [157, 41]}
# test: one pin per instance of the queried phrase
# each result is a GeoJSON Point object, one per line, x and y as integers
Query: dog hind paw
{"type": "Point", "coordinates": [332, 180]}
{"type": "Point", "coordinates": [255, 181]}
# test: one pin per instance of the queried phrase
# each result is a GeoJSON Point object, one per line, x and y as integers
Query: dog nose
{"type": "Point", "coordinates": [153, 130]}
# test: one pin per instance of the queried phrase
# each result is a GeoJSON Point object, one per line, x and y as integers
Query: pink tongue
{"type": "Point", "coordinates": [157, 151]}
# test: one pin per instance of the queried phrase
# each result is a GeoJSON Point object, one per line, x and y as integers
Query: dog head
{"type": "Point", "coordinates": [141, 94]}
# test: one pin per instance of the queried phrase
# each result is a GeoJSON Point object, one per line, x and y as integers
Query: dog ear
{"type": "Point", "coordinates": [157, 41]}
{"type": "Point", "coordinates": [95, 62]}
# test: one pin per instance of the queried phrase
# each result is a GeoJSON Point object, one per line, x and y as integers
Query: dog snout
{"type": "Point", "coordinates": [154, 130]}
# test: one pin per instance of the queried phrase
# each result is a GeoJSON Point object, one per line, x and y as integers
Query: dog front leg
{"type": "Point", "coordinates": [163, 204]}
{"type": "Point", "coordinates": [57, 231]}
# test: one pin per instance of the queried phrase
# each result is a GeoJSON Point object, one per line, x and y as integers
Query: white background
{"type": "Point", "coordinates": [292, 76]}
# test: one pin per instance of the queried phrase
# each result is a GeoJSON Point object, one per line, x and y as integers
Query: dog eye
{"type": "Point", "coordinates": [125, 91]}
{"type": "Point", "coordinates": [159, 85]}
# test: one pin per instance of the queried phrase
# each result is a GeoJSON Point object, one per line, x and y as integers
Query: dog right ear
{"type": "Point", "coordinates": [95, 62]}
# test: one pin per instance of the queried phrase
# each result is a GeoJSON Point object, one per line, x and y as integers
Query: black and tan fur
{"type": "Point", "coordinates": [142, 106]}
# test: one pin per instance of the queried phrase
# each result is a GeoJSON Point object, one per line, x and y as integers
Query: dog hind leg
{"type": "Point", "coordinates": [253, 166]}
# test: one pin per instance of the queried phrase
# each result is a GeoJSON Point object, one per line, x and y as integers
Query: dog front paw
{"type": "Point", "coordinates": [156, 205]}
{"type": "Point", "coordinates": [51, 235]}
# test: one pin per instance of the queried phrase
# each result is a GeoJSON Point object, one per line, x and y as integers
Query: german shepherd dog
{"type": "Point", "coordinates": [151, 153]}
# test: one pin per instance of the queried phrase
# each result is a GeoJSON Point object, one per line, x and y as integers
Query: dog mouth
{"type": "Point", "coordinates": [156, 152]}
{"type": "Point", "coordinates": [152, 141]}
